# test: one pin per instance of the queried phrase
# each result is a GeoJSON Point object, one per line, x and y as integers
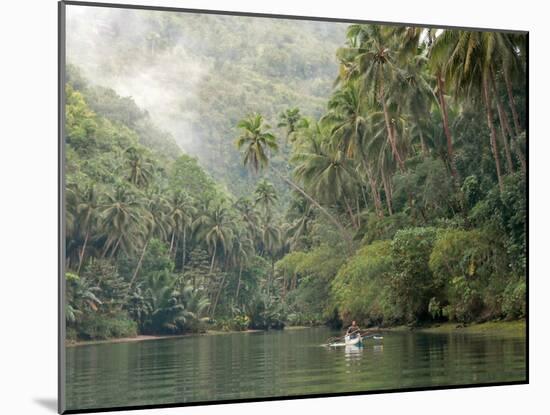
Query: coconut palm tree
{"type": "Point", "coordinates": [349, 120]}
{"type": "Point", "coordinates": [327, 174]}
{"type": "Point", "coordinates": [469, 59]}
{"type": "Point", "coordinates": [182, 212]}
{"type": "Point", "coordinates": [242, 248]}
{"type": "Point", "coordinates": [139, 166]}
{"type": "Point", "coordinates": [419, 98]}
{"type": "Point", "coordinates": [119, 219]}
{"type": "Point", "coordinates": [271, 239]}
{"type": "Point", "coordinates": [156, 221]}
{"type": "Point", "coordinates": [289, 120]}
{"type": "Point", "coordinates": [248, 215]}
{"type": "Point", "coordinates": [265, 196]}
{"type": "Point", "coordinates": [255, 137]}
{"type": "Point", "coordinates": [242, 253]}
{"type": "Point", "coordinates": [216, 228]}
{"type": "Point", "coordinates": [370, 56]}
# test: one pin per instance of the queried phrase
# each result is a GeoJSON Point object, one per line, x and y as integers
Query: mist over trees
{"type": "Point", "coordinates": [198, 74]}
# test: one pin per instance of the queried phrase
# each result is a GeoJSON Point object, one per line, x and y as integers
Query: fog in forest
{"type": "Point", "coordinates": [198, 74]}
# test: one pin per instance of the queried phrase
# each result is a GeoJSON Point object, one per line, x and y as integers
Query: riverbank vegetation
{"type": "Point", "coordinates": [403, 202]}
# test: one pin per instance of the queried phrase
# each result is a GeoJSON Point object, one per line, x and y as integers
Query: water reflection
{"type": "Point", "coordinates": [353, 352]}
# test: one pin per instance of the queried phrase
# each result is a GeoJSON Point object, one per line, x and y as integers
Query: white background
{"type": "Point", "coordinates": [28, 204]}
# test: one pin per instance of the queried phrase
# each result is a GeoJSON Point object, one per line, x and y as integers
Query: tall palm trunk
{"type": "Point", "coordinates": [218, 295]}
{"type": "Point", "coordinates": [114, 249]}
{"type": "Point", "coordinates": [390, 132]}
{"type": "Point", "coordinates": [343, 231]}
{"type": "Point", "coordinates": [375, 193]}
{"type": "Point", "coordinates": [512, 102]}
{"type": "Point", "coordinates": [212, 261]}
{"type": "Point", "coordinates": [446, 129]}
{"type": "Point", "coordinates": [502, 121]}
{"type": "Point", "coordinates": [350, 212]}
{"type": "Point", "coordinates": [140, 261]}
{"type": "Point", "coordinates": [423, 146]}
{"type": "Point", "coordinates": [493, 136]}
{"type": "Point", "coordinates": [283, 294]}
{"type": "Point", "coordinates": [387, 191]}
{"type": "Point", "coordinates": [82, 252]}
{"type": "Point", "coordinates": [172, 242]}
{"type": "Point", "coordinates": [239, 282]}
{"type": "Point", "coordinates": [358, 217]}
{"type": "Point", "coordinates": [521, 157]}
{"type": "Point", "coordinates": [184, 247]}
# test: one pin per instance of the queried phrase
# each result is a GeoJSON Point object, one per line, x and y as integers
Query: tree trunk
{"type": "Point", "coordinates": [212, 262]}
{"type": "Point", "coordinates": [172, 242]}
{"type": "Point", "coordinates": [365, 201]}
{"type": "Point", "coordinates": [512, 102]}
{"type": "Point", "coordinates": [493, 138]}
{"type": "Point", "coordinates": [387, 191]}
{"type": "Point", "coordinates": [521, 157]}
{"type": "Point", "coordinates": [218, 296]}
{"type": "Point", "coordinates": [502, 120]}
{"type": "Point", "coordinates": [82, 251]}
{"type": "Point", "coordinates": [343, 232]}
{"type": "Point", "coordinates": [283, 295]}
{"type": "Point", "coordinates": [446, 129]}
{"type": "Point", "coordinates": [239, 283]}
{"type": "Point", "coordinates": [375, 193]}
{"type": "Point", "coordinates": [350, 212]}
{"type": "Point", "coordinates": [358, 210]}
{"type": "Point", "coordinates": [389, 131]}
{"type": "Point", "coordinates": [423, 146]}
{"type": "Point", "coordinates": [139, 262]}
{"type": "Point", "coordinates": [184, 247]}
{"type": "Point", "coordinates": [115, 247]}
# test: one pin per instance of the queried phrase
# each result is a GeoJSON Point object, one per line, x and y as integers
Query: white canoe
{"type": "Point", "coordinates": [353, 342]}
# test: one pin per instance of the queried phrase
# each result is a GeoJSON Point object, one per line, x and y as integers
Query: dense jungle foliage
{"type": "Point", "coordinates": [401, 201]}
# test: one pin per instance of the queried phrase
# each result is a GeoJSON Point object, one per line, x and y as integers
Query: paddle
{"type": "Point", "coordinates": [366, 334]}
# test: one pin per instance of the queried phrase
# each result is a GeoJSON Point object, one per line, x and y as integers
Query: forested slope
{"type": "Point", "coordinates": [399, 199]}
{"type": "Point", "coordinates": [198, 75]}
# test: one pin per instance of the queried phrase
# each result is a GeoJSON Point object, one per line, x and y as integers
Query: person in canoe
{"type": "Point", "coordinates": [353, 330]}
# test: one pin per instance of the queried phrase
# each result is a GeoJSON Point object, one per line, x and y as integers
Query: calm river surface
{"type": "Point", "coordinates": [281, 363]}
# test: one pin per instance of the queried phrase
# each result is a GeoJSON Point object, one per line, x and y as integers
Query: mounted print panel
{"type": "Point", "coordinates": [262, 207]}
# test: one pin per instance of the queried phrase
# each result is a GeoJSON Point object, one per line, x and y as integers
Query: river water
{"type": "Point", "coordinates": [282, 363]}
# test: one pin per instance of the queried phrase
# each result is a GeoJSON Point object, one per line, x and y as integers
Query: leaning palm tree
{"type": "Point", "coordinates": [300, 226]}
{"type": "Point", "coordinates": [255, 137]}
